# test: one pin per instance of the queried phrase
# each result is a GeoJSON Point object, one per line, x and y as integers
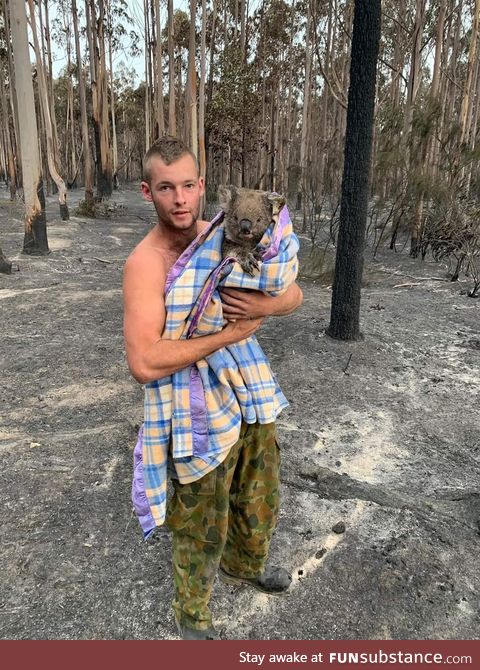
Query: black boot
{"type": "Point", "coordinates": [187, 633]}
{"type": "Point", "coordinates": [273, 580]}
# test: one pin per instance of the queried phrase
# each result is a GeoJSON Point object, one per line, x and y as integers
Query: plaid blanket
{"type": "Point", "coordinates": [193, 417]}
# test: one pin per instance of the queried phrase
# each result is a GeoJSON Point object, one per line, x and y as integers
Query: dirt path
{"type": "Point", "coordinates": [381, 435]}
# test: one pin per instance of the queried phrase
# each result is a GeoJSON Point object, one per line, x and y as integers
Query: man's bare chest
{"type": "Point", "coordinates": [170, 258]}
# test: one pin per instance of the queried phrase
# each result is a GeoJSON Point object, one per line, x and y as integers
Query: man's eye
{"type": "Point", "coordinates": [190, 185]}
{"type": "Point", "coordinates": [164, 188]}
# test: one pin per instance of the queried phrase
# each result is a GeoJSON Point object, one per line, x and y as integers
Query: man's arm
{"type": "Point", "coordinates": [244, 304]}
{"type": "Point", "coordinates": [149, 357]}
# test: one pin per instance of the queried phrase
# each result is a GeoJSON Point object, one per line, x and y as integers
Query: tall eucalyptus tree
{"type": "Point", "coordinates": [35, 238]}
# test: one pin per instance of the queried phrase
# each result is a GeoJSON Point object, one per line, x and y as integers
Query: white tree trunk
{"type": "Point", "coordinates": [306, 103]}
{"type": "Point", "coordinates": [87, 160]}
{"type": "Point", "coordinates": [172, 123]}
{"type": "Point", "coordinates": [35, 241]}
{"type": "Point", "coordinates": [191, 129]}
{"type": "Point", "coordinates": [159, 72]}
{"type": "Point", "coordinates": [201, 105]}
{"type": "Point", "coordinates": [465, 115]}
{"type": "Point", "coordinates": [47, 119]}
{"type": "Point", "coordinates": [113, 115]}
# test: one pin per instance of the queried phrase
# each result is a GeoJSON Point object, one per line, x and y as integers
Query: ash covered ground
{"type": "Point", "coordinates": [381, 436]}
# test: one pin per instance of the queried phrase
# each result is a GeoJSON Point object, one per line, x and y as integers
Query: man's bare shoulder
{"type": "Point", "coordinates": [147, 260]}
{"type": "Point", "coordinates": [152, 255]}
{"type": "Point", "coordinates": [149, 250]}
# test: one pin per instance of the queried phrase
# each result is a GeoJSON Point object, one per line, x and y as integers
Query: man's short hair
{"type": "Point", "coordinates": [169, 149]}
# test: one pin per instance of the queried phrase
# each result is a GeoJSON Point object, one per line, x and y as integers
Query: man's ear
{"type": "Point", "coordinates": [276, 201]}
{"type": "Point", "coordinates": [225, 194]}
{"type": "Point", "coordinates": [147, 194]}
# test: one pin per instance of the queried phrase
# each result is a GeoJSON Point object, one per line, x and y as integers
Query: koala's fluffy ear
{"type": "Point", "coordinates": [277, 201]}
{"type": "Point", "coordinates": [225, 194]}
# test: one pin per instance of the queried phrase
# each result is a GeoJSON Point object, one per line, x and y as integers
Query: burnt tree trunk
{"type": "Point", "coordinates": [345, 314]}
{"type": "Point", "coordinates": [5, 265]}
{"type": "Point", "coordinates": [35, 240]}
{"type": "Point", "coordinates": [87, 155]}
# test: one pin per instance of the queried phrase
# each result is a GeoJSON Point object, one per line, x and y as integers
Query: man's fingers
{"type": "Point", "coordinates": [233, 303]}
{"type": "Point", "coordinates": [233, 291]}
{"type": "Point", "coordinates": [228, 299]}
{"type": "Point", "coordinates": [231, 311]}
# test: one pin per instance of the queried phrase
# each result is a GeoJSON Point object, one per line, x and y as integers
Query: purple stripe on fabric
{"type": "Point", "coordinates": [207, 294]}
{"type": "Point", "coordinates": [198, 412]}
{"type": "Point", "coordinates": [274, 246]}
{"type": "Point", "coordinates": [139, 497]}
{"type": "Point", "coordinates": [179, 265]}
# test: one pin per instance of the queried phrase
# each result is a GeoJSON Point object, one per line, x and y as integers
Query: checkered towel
{"type": "Point", "coordinates": [193, 417]}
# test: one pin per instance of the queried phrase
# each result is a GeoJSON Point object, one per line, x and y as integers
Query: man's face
{"type": "Point", "coordinates": [175, 191]}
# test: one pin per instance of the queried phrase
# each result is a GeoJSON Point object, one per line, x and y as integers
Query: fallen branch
{"type": "Point", "coordinates": [402, 274]}
{"type": "Point", "coordinates": [105, 260]}
{"type": "Point", "coordinates": [348, 363]}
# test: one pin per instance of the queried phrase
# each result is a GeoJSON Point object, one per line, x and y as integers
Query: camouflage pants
{"type": "Point", "coordinates": [227, 516]}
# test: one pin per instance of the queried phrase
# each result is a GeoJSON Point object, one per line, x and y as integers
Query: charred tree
{"type": "Point", "coordinates": [159, 101]}
{"type": "Point", "coordinates": [99, 87]}
{"type": "Point", "coordinates": [45, 102]}
{"type": "Point", "coordinates": [345, 314]}
{"type": "Point", "coordinates": [10, 157]}
{"type": "Point", "coordinates": [35, 240]}
{"type": "Point", "coordinates": [5, 265]}
{"type": "Point", "coordinates": [172, 123]}
{"type": "Point", "coordinates": [87, 156]}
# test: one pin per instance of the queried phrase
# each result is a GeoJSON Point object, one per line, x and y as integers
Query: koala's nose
{"type": "Point", "coordinates": [245, 226]}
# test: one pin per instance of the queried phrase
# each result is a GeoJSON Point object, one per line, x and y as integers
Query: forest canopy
{"type": "Point", "coordinates": [259, 90]}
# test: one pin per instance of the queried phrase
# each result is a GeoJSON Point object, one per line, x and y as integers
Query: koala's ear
{"type": "Point", "coordinates": [225, 194]}
{"type": "Point", "coordinates": [276, 201]}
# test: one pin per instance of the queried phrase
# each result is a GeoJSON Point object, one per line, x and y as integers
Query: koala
{"type": "Point", "coordinates": [248, 213]}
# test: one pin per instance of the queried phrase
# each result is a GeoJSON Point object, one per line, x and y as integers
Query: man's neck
{"type": "Point", "coordinates": [176, 240]}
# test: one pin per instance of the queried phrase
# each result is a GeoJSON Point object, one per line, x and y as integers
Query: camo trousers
{"type": "Point", "coordinates": [228, 517]}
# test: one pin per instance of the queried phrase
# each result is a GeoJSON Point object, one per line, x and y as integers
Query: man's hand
{"type": "Point", "coordinates": [241, 329]}
{"type": "Point", "coordinates": [246, 304]}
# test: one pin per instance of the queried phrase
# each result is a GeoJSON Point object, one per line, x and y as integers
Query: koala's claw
{"type": "Point", "coordinates": [250, 263]}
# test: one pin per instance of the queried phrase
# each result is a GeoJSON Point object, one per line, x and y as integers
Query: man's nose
{"type": "Point", "coordinates": [245, 226]}
{"type": "Point", "coordinates": [179, 194]}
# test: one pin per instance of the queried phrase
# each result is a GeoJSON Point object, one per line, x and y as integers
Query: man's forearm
{"type": "Point", "coordinates": [287, 302]}
{"type": "Point", "coordinates": [165, 357]}
{"type": "Point", "coordinates": [240, 304]}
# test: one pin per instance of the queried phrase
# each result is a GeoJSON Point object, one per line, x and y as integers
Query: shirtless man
{"type": "Point", "coordinates": [172, 183]}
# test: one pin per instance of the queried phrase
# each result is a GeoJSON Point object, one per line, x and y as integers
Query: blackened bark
{"type": "Point", "coordinates": [104, 184]}
{"type": "Point", "coordinates": [35, 242]}
{"type": "Point", "coordinates": [104, 178]}
{"type": "Point", "coordinates": [64, 214]}
{"type": "Point", "coordinates": [345, 314]}
{"type": "Point", "coordinates": [5, 265]}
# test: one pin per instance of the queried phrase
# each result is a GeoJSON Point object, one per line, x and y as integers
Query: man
{"type": "Point", "coordinates": [224, 520]}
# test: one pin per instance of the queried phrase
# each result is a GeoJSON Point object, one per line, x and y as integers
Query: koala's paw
{"type": "Point", "coordinates": [258, 252]}
{"type": "Point", "coordinates": [250, 263]}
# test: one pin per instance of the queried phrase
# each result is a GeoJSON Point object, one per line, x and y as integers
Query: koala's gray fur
{"type": "Point", "coordinates": [248, 213]}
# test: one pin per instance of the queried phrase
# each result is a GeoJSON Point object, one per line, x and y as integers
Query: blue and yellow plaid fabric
{"type": "Point", "coordinates": [193, 417]}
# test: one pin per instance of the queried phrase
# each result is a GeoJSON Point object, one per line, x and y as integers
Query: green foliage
{"type": "Point", "coordinates": [233, 113]}
{"type": "Point", "coordinates": [181, 29]}
{"type": "Point", "coordinates": [425, 120]}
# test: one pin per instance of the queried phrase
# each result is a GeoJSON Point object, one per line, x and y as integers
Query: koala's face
{"type": "Point", "coordinates": [248, 213]}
